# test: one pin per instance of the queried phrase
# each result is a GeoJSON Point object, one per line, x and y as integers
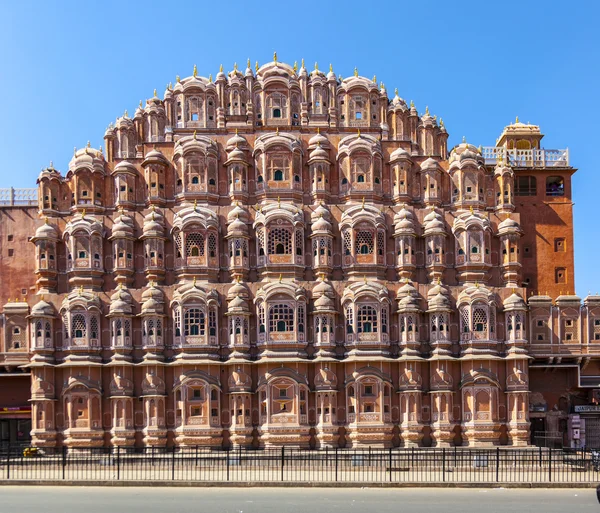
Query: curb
{"type": "Point", "coordinates": [304, 484]}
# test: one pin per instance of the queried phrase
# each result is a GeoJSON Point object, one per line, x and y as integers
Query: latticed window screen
{"type": "Point", "coordinates": [301, 318]}
{"type": "Point", "coordinates": [149, 331]}
{"type": "Point", "coordinates": [94, 327]}
{"type": "Point", "coordinates": [159, 327]}
{"type": "Point", "coordinates": [117, 330]}
{"type": "Point", "coordinates": [178, 246]}
{"type": "Point", "coordinates": [384, 320]}
{"type": "Point", "coordinates": [212, 245]}
{"type": "Point", "coordinates": [194, 167]}
{"type": "Point", "coordinates": [281, 318]}
{"type": "Point", "coordinates": [127, 331]}
{"type": "Point", "coordinates": [261, 318]}
{"type": "Point", "coordinates": [364, 243]}
{"type": "Point", "coordinates": [193, 322]}
{"type": "Point", "coordinates": [367, 319]}
{"type": "Point", "coordinates": [433, 323]}
{"type": "Point", "coordinates": [194, 244]}
{"type": "Point", "coordinates": [464, 316]}
{"type": "Point", "coordinates": [442, 323]}
{"type": "Point", "coordinates": [361, 169]}
{"type": "Point", "coordinates": [492, 320]}
{"type": "Point", "coordinates": [380, 243]}
{"type": "Point", "coordinates": [65, 321]}
{"type": "Point", "coordinates": [38, 329]}
{"type": "Point", "coordinates": [480, 322]}
{"type": "Point", "coordinates": [48, 330]}
{"type": "Point", "coordinates": [299, 240]}
{"type": "Point", "coordinates": [570, 329]}
{"type": "Point", "coordinates": [17, 337]}
{"type": "Point", "coordinates": [347, 242]}
{"type": "Point", "coordinates": [260, 237]}
{"type": "Point", "coordinates": [349, 320]}
{"type": "Point", "coordinates": [177, 322]}
{"type": "Point", "coordinates": [280, 241]}
{"type": "Point", "coordinates": [78, 326]}
{"type": "Point", "coordinates": [212, 322]}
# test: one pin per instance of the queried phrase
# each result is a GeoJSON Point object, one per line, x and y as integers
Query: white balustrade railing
{"type": "Point", "coordinates": [18, 197]}
{"type": "Point", "coordinates": [526, 158]}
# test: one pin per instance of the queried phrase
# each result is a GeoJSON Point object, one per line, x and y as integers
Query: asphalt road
{"type": "Point", "coordinates": [22, 499]}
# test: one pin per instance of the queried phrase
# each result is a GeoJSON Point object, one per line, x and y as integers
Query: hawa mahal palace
{"type": "Point", "coordinates": [282, 256]}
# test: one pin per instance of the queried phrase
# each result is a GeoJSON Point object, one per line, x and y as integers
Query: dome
{"type": "Point", "coordinates": [42, 309]}
{"type": "Point", "coordinates": [324, 302]}
{"type": "Point", "coordinates": [509, 225]}
{"type": "Point", "coordinates": [439, 302]}
{"type": "Point", "coordinates": [237, 304]}
{"type": "Point", "coordinates": [315, 140]}
{"type": "Point", "coordinates": [319, 153]}
{"type": "Point", "coordinates": [154, 156]}
{"type": "Point", "coordinates": [320, 211]}
{"type": "Point", "coordinates": [236, 140]}
{"type": "Point", "coordinates": [237, 289]}
{"type": "Point", "coordinates": [398, 154]}
{"type": "Point", "coordinates": [154, 224]}
{"type": "Point", "coordinates": [237, 212]}
{"type": "Point", "coordinates": [433, 223]}
{"type": "Point", "coordinates": [120, 302]}
{"type": "Point", "coordinates": [152, 300]}
{"type": "Point", "coordinates": [408, 303]}
{"type": "Point", "coordinates": [323, 288]}
{"type": "Point", "coordinates": [514, 302]}
{"type": "Point", "coordinates": [407, 289]}
{"type": "Point", "coordinates": [236, 155]}
{"type": "Point", "coordinates": [46, 231]}
{"type": "Point", "coordinates": [438, 288]}
{"type": "Point", "coordinates": [123, 226]}
{"type": "Point", "coordinates": [403, 222]}
{"type": "Point", "coordinates": [237, 227]}
{"type": "Point", "coordinates": [321, 225]}
{"type": "Point", "coordinates": [429, 164]}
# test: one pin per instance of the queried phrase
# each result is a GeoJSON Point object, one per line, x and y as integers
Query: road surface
{"type": "Point", "coordinates": [54, 499]}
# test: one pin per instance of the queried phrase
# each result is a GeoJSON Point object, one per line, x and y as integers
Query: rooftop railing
{"type": "Point", "coordinates": [12, 197]}
{"type": "Point", "coordinates": [526, 158]}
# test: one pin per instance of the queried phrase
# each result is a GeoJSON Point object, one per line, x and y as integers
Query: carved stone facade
{"type": "Point", "coordinates": [285, 257]}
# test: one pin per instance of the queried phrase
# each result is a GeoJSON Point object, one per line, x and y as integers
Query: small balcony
{"type": "Point", "coordinates": [526, 158]}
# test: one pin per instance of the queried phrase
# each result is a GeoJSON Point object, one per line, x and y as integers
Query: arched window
{"type": "Point", "coordinates": [78, 326]}
{"type": "Point", "coordinates": [281, 318]}
{"type": "Point", "coordinates": [361, 179]}
{"type": "Point", "coordinates": [194, 322]}
{"type": "Point", "coordinates": [367, 319]}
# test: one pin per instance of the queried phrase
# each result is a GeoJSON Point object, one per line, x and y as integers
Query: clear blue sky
{"type": "Point", "coordinates": [67, 69]}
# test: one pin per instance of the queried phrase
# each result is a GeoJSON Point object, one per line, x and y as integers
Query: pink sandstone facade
{"type": "Point", "coordinates": [286, 257]}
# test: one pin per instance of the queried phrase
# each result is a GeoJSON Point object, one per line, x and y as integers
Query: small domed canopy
{"type": "Point", "coordinates": [237, 227]}
{"type": "Point", "coordinates": [325, 380]}
{"type": "Point", "coordinates": [359, 143]}
{"type": "Point", "coordinates": [236, 141]}
{"type": "Point", "coordinates": [403, 223]}
{"type": "Point", "coordinates": [42, 309]}
{"type": "Point", "coordinates": [288, 141]}
{"type": "Point", "coordinates": [195, 215]}
{"type": "Point", "coordinates": [238, 212]}
{"type": "Point", "coordinates": [120, 303]}
{"type": "Point", "coordinates": [81, 298]}
{"type": "Point", "coordinates": [238, 289]}
{"type": "Point", "coordinates": [279, 210]}
{"type": "Point", "coordinates": [514, 302]}
{"type": "Point", "coordinates": [237, 305]}
{"type": "Point", "coordinates": [356, 214]}
{"type": "Point", "coordinates": [236, 155]}
{"type": "Point", "coordinates": [439, 303]}
{"type": "Point", "coordinates": [430, 165]}
{"type": "Point", "coordinates": [399, 154]}
{"type": "Point", "coordinates": [408, 289]}
{"type": "Point", "coordinates": [276, 72]}
{"type": "Point", "coordinates": [154, 225]}
{"type": "Point", "coordinates": [317, 140]}
{"type": "Point", "coordinates": [45, 232]}
{"type": "Point", "coordinates": [83, 222]}
{"type": "Point", "coordinates": [87, 159]}
{"type": "Point", "coordinates": [438, 288]}
{"type": "Point", "coordinates": [49, 173]}
{"type": "Point", "coordinates": [195, 83]}
{"type": "Point", "coordinates": [196, 143]}
{"type": "Point", "coordinates": [509, 226]}
{"type": "Point", "coordinates": [284, 288]}
{"type": "Point", "coordinates": [433, 224]}
{"type": "Point", "coordinates": [153, 301]}
{"type": "Point", "coordinates": [123, 227]}
{"type": "Point", "coordinates": [323, 287]}
{"type": "Point", "coordinates": [124, 167]}
{"type": "Point", "coordinates": [321, 225]}
{"type": "Point", "coordinates": [467, 220]}
{"type": "Point", "coordinates": [476, 293]}
{"type": "Point", "coordinates": [397, 103]}
{"type": "Point", "coordinates": [190, 291]}
{"type": "Point", "coordinates": [370, 289]}
{"type": "Point", "coordinates": [408, 303]}
{"type": "Point", "coordinates": [155, 156]}
{"type": "Point", "coordinates": [318, 154]}
{"type": "Point", "coordinates": [465, 155]}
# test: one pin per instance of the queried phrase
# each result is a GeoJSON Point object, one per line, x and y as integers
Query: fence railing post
{"type": "Point", "coordinates": [227, 456]}
{"type": "Point", "coordinates": [390, 464]}
{"type": "Point", "coordinates": [8, 462]}
{"type": "Point", "coordinates": [336, 464]}
{"type": "Point", "coordinates": [118, 462]}
{"type": "Point", "coordinates": [282, 460]}
{"type": "Point", "coordinates": [549, 465]}
{"type": "Point", "coordinates": [64, 461]}
{"type": "Point", "coordinates": [443, 464]}
{"type": "Point", "coordinates": [497, 464]}
{"type": "Point", "coordinates": [173, 465]}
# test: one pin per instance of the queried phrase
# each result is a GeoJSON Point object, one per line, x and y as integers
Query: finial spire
{"type": "Point", "coordinates": [396, 91]}
{"type": "Point", "coordinates": [195, 204]}
{"type": "Point", "coordinates": [355, 72]}
{"type": "Point", "coordinates": [210, 79]}
{"type": "Point", "coordinates": [88, 145]}
{"type": "Point", "coordinates": [194, 282]}
{"type": "Point", "coordinates": [140, 104]}
{"type": "Point", "coordinates": [194, 135]}
{"type": "Point", "coordinates": [517, 120]}
{"type": "Point", "coordinates": [256, 65]}
{"type": "Point", "coordinates": [427, 110]}
{"type": "Point", "coordinates": [471, 209]}
{"type": "Point", "coordinates": [330, 68]}
{"type": "Point", "coordinates": [178, 78]}
{"type": "Point", "coordinates": [316, 66]}
{"type": "Point", "coordinates": [363, 202]}
{"type": "Point", "coordinates": [278, 202]}
{"type": "Point", "coordinates": [221, 68]}
{"type": "Point", "coordinates": [195, 72]}
{"type": "Point", "coordinates": [295, 66]}
{"type": "Point", "coordinates": [277, 131]}
{"type": "Point", "coordinates": [302, 62]}
{"type": "Point", "coordinates": [318, 130]}
{"type": "Point", "coordinates": [358, 133]}
{"type": "Point", "coordinates": [83, 213]}
{"type": "Point", "coordinates": [155, 95]}
{"type": "Point", "coordinates": [374, 79]}
{"type": "Point", "coordinates": [412, 104]}
{"type": "Point", "coordinates": [464, 140]}
{"type": "Point", "coordinates": [235, 66]}
{"type": "Point", "coordinates": [274, 56]}
{"type": "Point", "coordinates": [280, 278]}
{"type": "Point", "coordinates": [248, 63]}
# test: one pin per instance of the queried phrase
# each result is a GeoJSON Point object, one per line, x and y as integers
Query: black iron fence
{"type": "Point", "coordinates": [200, 464]}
